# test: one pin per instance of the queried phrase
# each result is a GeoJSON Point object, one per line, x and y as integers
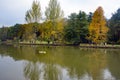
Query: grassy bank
{"type": "Point", "coordinates": [44, 43]}
{"type": "Point", "coordinates": [107, 46]}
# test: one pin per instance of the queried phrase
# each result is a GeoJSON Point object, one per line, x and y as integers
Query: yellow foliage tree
{"type": "Point", "coordinates": [98, 29]}
{"type": "Point", "coordinates": [28, 33]}
{"type": "Point", "coordinates": [54, 14]}
{"type": "Point", "coordinates": [48, 32]}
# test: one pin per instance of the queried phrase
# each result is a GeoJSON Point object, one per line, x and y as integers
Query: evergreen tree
{"type": "Point", "coordinates": [114, 25]}
{"type": "Point", "coordinates": [90, 17]}
{"type": "Point", "coordinates": [77, 28]}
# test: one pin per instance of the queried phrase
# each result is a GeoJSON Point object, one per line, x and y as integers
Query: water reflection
{"type": "Point", "coordinates": [96, 63]}
{"type": "Point", "coordinates": [114, 63]}
{"type": "Point", "coordinates": [37, 71]}
{"type": "Point", "coordinates": [52, 72]}
{"type": "Point", "coordinates": [107, 75]}
{"type": "Point", "coordinates": [31, 71]}
{"type": "Point", "coordinates": [65, 63]}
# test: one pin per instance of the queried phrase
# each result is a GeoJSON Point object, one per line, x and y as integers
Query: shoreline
{"type": "Point", "coordinates": [108, 46]}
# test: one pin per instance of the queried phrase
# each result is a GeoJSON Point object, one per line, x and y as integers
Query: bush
{"type": "Point", "coordinates": [118, 42]}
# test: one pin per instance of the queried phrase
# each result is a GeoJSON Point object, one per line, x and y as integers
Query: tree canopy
{"type": "Point", "coordinates": [54, 15]}
{"type": "Point", "coordinates": [114, 25]}
{"type": "Point", "coordinates": [34, 14]}
{"type": "Point", "coordinates": [98, 29]}
{"type": "Point", "coordinates": [77, 28]}
{"type": "Point", "coordinates": [53, 11]}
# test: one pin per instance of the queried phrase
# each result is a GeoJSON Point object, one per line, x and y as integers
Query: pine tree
{"type": "Point", "coordinates": [76, 30]}
{"type": "Point", "coordinates": [98, 29]}
{"type": "Point", "coordinates": [114, 25]}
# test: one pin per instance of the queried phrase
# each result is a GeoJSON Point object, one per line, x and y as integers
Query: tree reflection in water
{"type": "Point", "coordinates": [52, 72]}
{"type": "Point", "coordinates": [31, 71]}
{"type": "Point", "coordinates": [44, 66]}
{"type": "Point", "coordinates": [96, 64]}
{"type": "Point", "coordinates": [77, 63]}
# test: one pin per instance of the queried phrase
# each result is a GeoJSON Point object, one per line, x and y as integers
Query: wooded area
{"type": "Point", "coordinates": [76, 29]}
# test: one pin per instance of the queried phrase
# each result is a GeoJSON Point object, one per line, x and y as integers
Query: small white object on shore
{"type": "Point", "coordinates": [42, 52]}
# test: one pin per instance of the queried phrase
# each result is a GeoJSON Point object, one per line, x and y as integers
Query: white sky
{"type": "Point", "coordinates": [13, 11]}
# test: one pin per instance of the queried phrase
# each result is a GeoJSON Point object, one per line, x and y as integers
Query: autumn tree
{"type": "Point", "coordinates": [98, 29]}
{"type": "Point", "coordinates": [30, 32]}
{"type": "Point", "coordinates": [34, 14]}
{"type": "Point", "coordinates": [46, 31]}
{"type": "Point", "coordinates": [33, 17]}
{"type": "Point", "coordinates": [54, 14]}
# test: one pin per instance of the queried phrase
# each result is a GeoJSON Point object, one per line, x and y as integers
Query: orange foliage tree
{"type": "Point", "coordinates": [98, 29]}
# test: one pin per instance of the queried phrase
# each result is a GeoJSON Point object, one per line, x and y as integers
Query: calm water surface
{"type": "Point", "coordinates": [59, 63]}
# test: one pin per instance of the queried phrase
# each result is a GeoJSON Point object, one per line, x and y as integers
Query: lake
{"type": "Point", "coordinates": [58, 63]}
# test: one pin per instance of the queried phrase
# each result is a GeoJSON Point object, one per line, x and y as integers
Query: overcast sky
{"type": "Point", "coordinates": [13, 11]}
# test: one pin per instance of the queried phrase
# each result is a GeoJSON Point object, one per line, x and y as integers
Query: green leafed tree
{"type": "Point", "coordinates": [34, 14]}
{"type": "Point", "coordinates": [15, 32]}
{"type": "Point", "coordinates": [90, 17]}
{"type": "Point", "coordinates": [76, 29]}
{"type": "Point", "coordinates": [3, 33]}
{"type": "Point", "coordinates": [53, 11]}
{"type": "Point", "coordinates": [114, 25]}
{"type": "Point", "coordinates": [98, 29]}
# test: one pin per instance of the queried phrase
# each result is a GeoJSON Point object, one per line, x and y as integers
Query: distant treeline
{"type": "Point", "coordinates": [76, 29]}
